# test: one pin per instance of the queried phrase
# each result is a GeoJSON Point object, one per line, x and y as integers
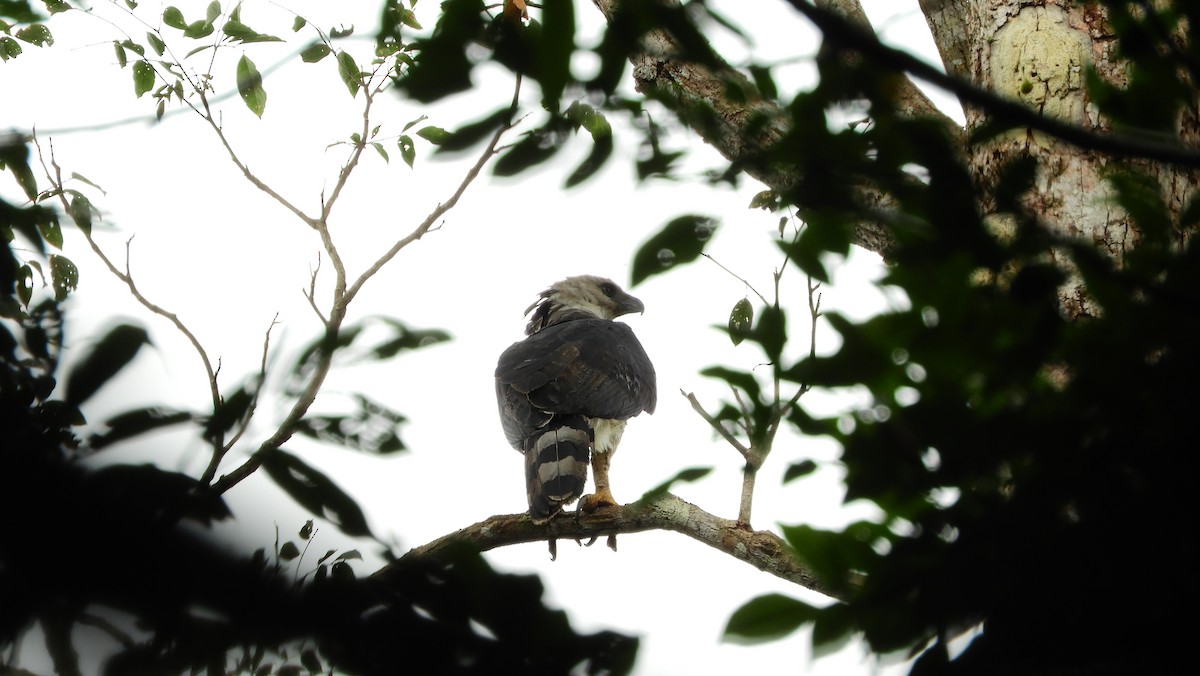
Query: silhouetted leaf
{"type": "Point", "coordinates": [681, 241]}
{"type": "Point", "coordinates": [230, 412]}
{"type": "Point", "coordinates": [404, 338]}
{"type": "Point", "coordinates": [139, 421]}
{"type": "Point", "coordinates": [315, 492]}
{"type": "Point", "coordinates": [470, 134]}
{"type": "Point", "coordinates": [108, 356]}
{"type": "Point", "coordinates": [372, 429]}
{"type": "Point", "coordinates": [442, 66]}
{"type": "Point", "coordinates": [289, 551]}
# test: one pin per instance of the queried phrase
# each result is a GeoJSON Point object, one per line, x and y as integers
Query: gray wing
{"type": "Point", "coordinates": [591, 367]}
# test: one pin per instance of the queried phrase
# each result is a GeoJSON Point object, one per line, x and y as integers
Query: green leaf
{"type": "Point", "coordinates": [435, 135]}
{"type": "Point", "coordinates": [554, 45]}
{"type": "Point", "coordinates": [681, 241]}
{"type": "Point", "coordinates": [9, 48]}
{"type": "Point", "coordinates": [81, 211]}
{"type": "Point", "coordinates": [56, 6]}
{"type": "Point", "coordinates": [412, 123]}
{"type": "Point", "coordinates": [832, 554]}
{"type": "Point", "coordinates": [767, 200]}
{"type": "Point", "coordinates": [349, 72]}
{"type": "Point", "coordinates": [832, 629]}
{"type": "Point", "coordinates": [408, 18]}
{"type": "Point", "coordinates": [198, 29]}
{"type": "Point", "coordinates": [298, 23]}
{"type": "Point", "coordinates": [239, 31]}
{"type": "Point", "coordinates": [156, 43]}
{"type": "Point", "coordinates": [174, 18]}
{"type": "Point", "coordinates": [407, 151]}
{"type": "Point", "coordinates": [689, 475]}
{"type": "Point", "coordinates": [602, 149]}
{"type": "Point", "coordinates": [382, 153]}
{"type": "Point", "coordinates": [109, 355]}
{"type": "Point", "coordinates": [472, 133]}
{"type": "Point", "coordinates": [143, 77]}
{"type": "Point", "coordinates": [771, 332]}
{"type": "Point", "coordinates": [314, 491]}
{"type": "Point", "coordinates": [64, 276]}
{"type": "Point", "coordinates": [315, 52]}
{"type": "Point", "coordinates": [52, 233]}
{"type": "Point", "coordinates": [24, 284]}
{"type": "Point", "coordinates": [134, 47]}
{"type": "Point", "coordinates": [37, 34]}
{"type": "Point", "coordinates": [768, 618]}
{"type": "Point", "coordinates": [249, 83]}
{"type": "Point", "coordinates": [741, 318]}
{"type": "Point", "coordinates": [799, 469]}
{"type": "Point", "coordinates": [306, 530]}
{"type": "Point", "coordinates": [214, 11]}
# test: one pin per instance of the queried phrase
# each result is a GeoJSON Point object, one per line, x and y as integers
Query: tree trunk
{"type": "Point", "coordinates": [1033, 53]}
{"type": "Point", "coordinates": [1038, 54]}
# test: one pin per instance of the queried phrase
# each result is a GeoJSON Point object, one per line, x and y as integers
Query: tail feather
{"type": "Point", "coordinates": [556, 465]}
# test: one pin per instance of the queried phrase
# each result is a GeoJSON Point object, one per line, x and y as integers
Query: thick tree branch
{"type": "Point", "coordinates": [948, 26]}
{"type": "Point", "coordinates": [762, 549]}
{"type": "Point", "coordinates": [909, 99]}
{"type": "Point", "coordinates": [744, 128]}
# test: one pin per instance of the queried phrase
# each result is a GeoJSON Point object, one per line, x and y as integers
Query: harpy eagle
{"type": "Point", "coordinates": [566, 390]}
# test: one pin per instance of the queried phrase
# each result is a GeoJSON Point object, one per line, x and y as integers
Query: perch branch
{"type": "Point", "coordinates": [762, 549]}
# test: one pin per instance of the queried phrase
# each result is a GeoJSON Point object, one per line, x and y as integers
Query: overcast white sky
{"type": "Point", "coordinates": [213, 249]}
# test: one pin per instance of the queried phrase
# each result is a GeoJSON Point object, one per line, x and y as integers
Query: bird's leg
{"type": "Point", "coordinates": [603, 497]}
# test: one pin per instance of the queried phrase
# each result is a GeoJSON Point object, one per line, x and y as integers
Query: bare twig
{"type": "Point", "coordinates": [54, 175]}
{"type": "Point", "coordinates": [725, 434]}
{"type": "Point", "coordinates": [342, 297]}
{"type": "Point", "coordinates": [441, 209]}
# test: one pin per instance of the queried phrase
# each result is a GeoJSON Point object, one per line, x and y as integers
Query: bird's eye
{"type": "Point", "coordinates": [609, 289]}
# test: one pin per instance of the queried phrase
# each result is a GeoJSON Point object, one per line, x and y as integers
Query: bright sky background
{"type": "Point", "coordinates": [210, 247]}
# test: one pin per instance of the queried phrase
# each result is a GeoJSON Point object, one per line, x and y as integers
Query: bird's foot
{"type": "Point", "coordinates": [600, 501]}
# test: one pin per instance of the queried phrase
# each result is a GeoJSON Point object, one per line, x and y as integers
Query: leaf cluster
{"type": "Point", "coordinates": [1030, 468]}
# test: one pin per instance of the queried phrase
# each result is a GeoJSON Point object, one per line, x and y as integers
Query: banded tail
{"type": "Point", "coordinates": [556, 465]}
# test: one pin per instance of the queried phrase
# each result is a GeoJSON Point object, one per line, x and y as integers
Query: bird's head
{"type": "Point", "coordinates": [597, 296]}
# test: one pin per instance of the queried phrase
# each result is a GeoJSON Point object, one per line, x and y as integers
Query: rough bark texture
{"type": "Point", "coordinates": [762, 549]}
{"type": "Point", "coordinates": [1036, 53]}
